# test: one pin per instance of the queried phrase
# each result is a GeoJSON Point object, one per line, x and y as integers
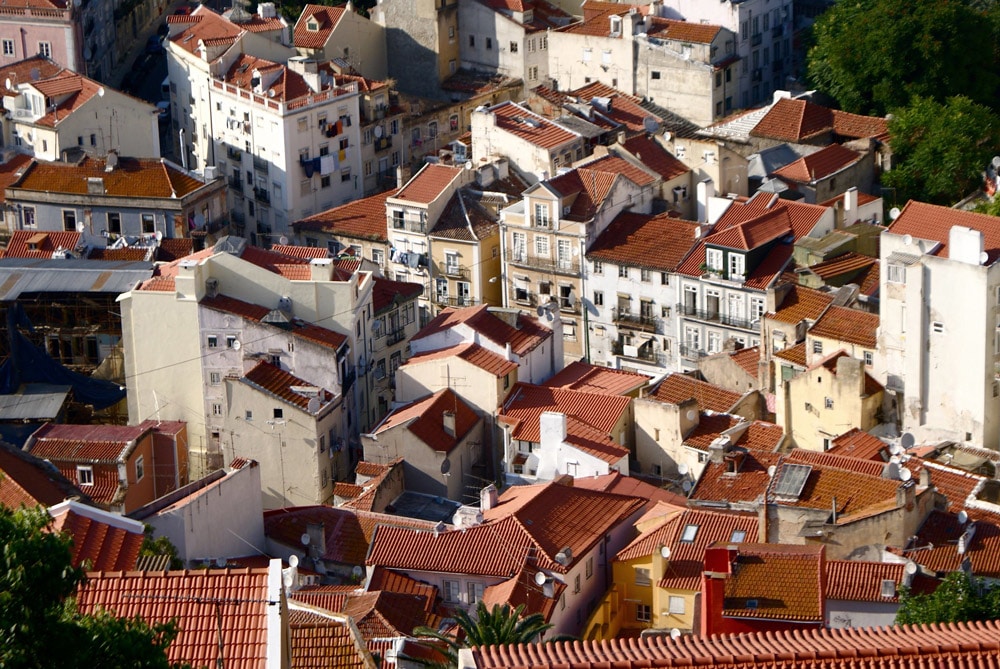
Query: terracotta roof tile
{"type": "Point", "coordinates": [957, 486]}
{"type": "Point", "coordinates": [387, 293]}
{"type": "Point", "coordinates": [793, 354]}
{"type": "Point", "coordinates": [301, 252]}
{"type": "Point", "coordinates": [527, 402]}
{"type": "Point", "coordinates": [856, 126]}
{"type": "Point", "coordinates": [754, 233]}
{"type": "Point", "coordinates": [794, 121]}
{"type": "Point", "coordinates": [203, 25]}
{"type": "Point", "coordinates": [521, 590]}
{"type": "Point", "coordinates": [934, 223]}
{"type": "Point", "coordinates": [748, 485]}
{"type": "Point", "coordinates": [474, 354]}
{"type": "Point", "coordinates": [281, 384]}
{"type": "Point", "coordinates": [526, 337]}
{"type": "Point", "coordinates": [958, 645]}
{"type": "Point", "coordinates": [394, 581]}
{"type": "Point", "coordinates": [785, 581]}
{"type": "Point", "coordinates": [748, 359]}
{"type": "Point", "coordinates": [865, 493]}
{"type": "Point", "coordinates": [857, 443]}
{"type": "Point", "coordinates": [676, 388]}
{"type": "Point", "coordinates": [847, 325]}
{"type": "Point", "coordinates": [591, 188]}
{"type": "Point", "coordinates": [326, 19]}
{"type": "Point", "coordinates": [625, 110]}
{"type": "Point", "coordinates": [682, 31]}
{"type": "Point", "coordinates": [324, 641]}
{"type": "Point", "coordinates": [190, 596]}
{"type": "Point", "coordinates": [581, 376]}
{"type": "Point", "coordinates": [102, 541]}
{"type": "Point", "coordinates": [328, 597]}
{"type": "Point", "coordinates": [257, 313]}
{"type": "Point", "coordinates": [655, 157]}
{"type": "Point", "coordinates": [133, 254]}
{"type": "Point", "coordinates": [615, 164]}
{"type": "Point", "coordinates": [937, 542]}
{"type": "Point", "coordinates": [28, 480]}
{"type": "Point", "coordinates": [836, 460]}
{"type": "Point", "coordinates": [360, 219]}
{"type": "Point", "coordinates": [23, 70]}
{"type": "Point", "coordinates": [133, 177]}
{"type": "Point", "coordinates": [856, 581]}
{"type": "Point", "coordinates": [848, 264]}
{"type": "Point", "coordinates": [35, 244]}
{"type": "Point", "coordinates": [423, 419]}
{"type": "Point", "coordinates": [656, 242]}
{"type": "Point", "coordinates": [85, 443]}
{"type": "Point", "coordinates": [259, 24]}
{"type": "Point", "coordinates": [381, 614]}
{"type": "Point", "coordinates": [530, 127]}
{"type": "Point", "coordinates": [465, 219]}
{"type": "Point", "coordinates": [11, 170]}
{"type": "Point", "coordinates": [428, 184]}
{"type": "Point", "coordinates": [819, 165]}
{"type": "Point", "coordinates": [618, 483]}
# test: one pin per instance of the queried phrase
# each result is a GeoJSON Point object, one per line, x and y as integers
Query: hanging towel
{"type": "Point", "coordinates": [309, 167]}
{"type": "Point", "coordinates": [342, 154]}
{"type": "Point", "coordinates": [326, 165]}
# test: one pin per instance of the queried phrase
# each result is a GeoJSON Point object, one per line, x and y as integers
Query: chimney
{"type": "Point", "coordinates": [552, 426]}
{"type": "Point", "coordinates": [925, 477]}
{"type": "Point", "coordinates": [510, 353]}
{"type": "Point", "coordinates": [309, 69]}
{"type": "Point", "coordinates": [717, 450]}
{"type": "Point", "coordinates": [965, 245]}
{"type": "Point", "coordinates": [706, 191]}
{"type": "Point", "coordinates": [488, 497]}
{"type": "Point", "coordinates": [448, 423]}
{"type": "Point", "coordinates": [321, 269]}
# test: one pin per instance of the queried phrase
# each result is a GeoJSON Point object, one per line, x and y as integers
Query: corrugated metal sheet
{"type": "Point", "coordinates": [33, 401]}
{"type": "Point", "coordinates": [32, 275]}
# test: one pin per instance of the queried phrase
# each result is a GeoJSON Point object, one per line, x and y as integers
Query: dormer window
{"type": "Point", "coordinates": [616, 26]}
{"type": "Point", "coordinates": [737, 266]}
{"type": "Point", "coordinates": [312, 25]}
{"type": "Point", "coordinates": [713, 259]}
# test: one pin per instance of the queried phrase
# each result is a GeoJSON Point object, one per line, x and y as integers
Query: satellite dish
{"type": "Point", "coordinates": [540, 310]}
{"type": "Point", "coordinates": [356, 571]}
{"type": "Point", "coordinates": [770, 471]}
{"type": "Point", "coordinates": [35, 74]}
{"type": "Point", "coordinates": [549, 317]}
{"type": "Point", "coordinates": [907, 440]}
{"type": "Point", "coordinates": [682, 469]}
{"type": "Point", "coordinates": [651, 125]}
{"type": "Point", "coordinates": [100, 92]}
{"type": "Point", "coordinates": [911, 567]}
{"type": "Point", "coordinates": [895, 459]}
{"type": "Point", "coordinates": [667, 136]}
{"type": "Point", "coordinates": [984, 258]}
{"type": "Point", "coordinates": [199, 221]}
{"type": "Point", "coordinates": [540, 578]}
{"type": "Point", "coordinates": [692, 414]}
{"type": "Point", "coordinates": [80, 226]}
{"type": "Point", "coordinates": [895, 450]}
{"type": "Point", "coordinates": [304, 539]}
{"type": "Point", "coordinates": [996, 161]}
{"type": "Point", "coordinates": [313, 405]}
{"type": "Point", "coordinates": [293, 561]}
{"type": "Point", "coordinates": [892, 471]}
{"type": "Point", "coordinates": [237, 345]}
{"type": "Point", "coordinates": [87, 53]}
{"type": "Point", "coordinates": [445, 466]}
{"type": "Point", "coordinates": [468, 165]}
{"type": "Point", "coordinates": [283, 240]}
{"type": "Point", "coordinates": [7, 83]}
{"type": "Point", "coordinates": [665, 552]}
{"type": "Point", "coordinates": [158, 235]}
{"type": "Point", "coordinates": [378, 132]}
{"type": "Point", "coordinates": [963, 517]}
{"type": "Point", "coordinates": [686, 486]}
{"type": "Point", "coordinates": [675, 633]}
{"type": "Point", "coordinates": [905, 475]}
{"type": "Point", "coordinates": [907, 239]}
{"type": "Point", "coordinates": [894, 213]}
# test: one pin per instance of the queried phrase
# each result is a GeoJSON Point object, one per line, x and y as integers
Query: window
{"type": "Point", "coordinates": [643, 613]}
{"type": "Point", "coordinates": [598, 298]}
{"type": "Point", "coordinates": [513, 47]}
{"type": "Point", "coordinates": [622, 272]}
{"type": "Point", "coordinates": [231, 341]}
{"type": "Point", "coordinates": [278, 413]}
{"type": "Point", "coordinates": [576, 584]}
{"type": "Point", "coordinates": [828, 402]}
{"type": "Point", "coordinates": [475, 592]}
{"type": "Point", "coordinates": [897, 274]}
{"type": "Point", "coordinates": [542, 215]}
{"type": "Point", "coordinates": [472, 40]}
{"type": "Point", "coordinates": [541, 245]}
{"type": "Point", "coordinates": [489, 43]}
{"type": "Point", "coordinates": [736, 265]}
{"type": "Point", "coordinates": [599, 269]}
{"type": "Point", "coordinates": [869, 358]}
{"type": "Point", "coordinates": [654, 75]}
{"type": "Point", "coordinates": [937, 326]}
{"type": "Point", "coordinates": [29, 217]}
{"type": "Point", "coordinates": [215, 378]}
{"type": "Point", "coordinates": [213, 341]}
{"type": "Point", "coordinates": [676, 606]}
{"type": "Point", "coordinates": [8, 47]}
{"type": "Point", "coordinates": [506, 381]}
{"type": "Point", "coordinates": [248, 414]}
{"type": "Point", "coordinates": [324, 182]}
{"type": "Point", "coordinates": [85, 474]}
{"type": "Point", "coordinates": [216, 409]}
{"type": "Point", "coordinates": [642, 576]}
{"type": "Point", "coordinates": [432, 129]}
{"type": "Point", "coordinates": [587, 54]}
{"type": "Point", "coordinates": [140, 468]}
{"type": "Point", "coordinates": [817, 346]}
{"type": "Point", "coordinates": [345, 174]}
{"type": "Point", "coordinates": [148, 224]}
{"type": "Point", "coordinates": [69, 220]}
{"type": "Point", "coordinates": [590, 566]}
{"type": "Point", "coordinates": [689, 533]}
{"type": "Point", "coordinates": [45, 49]}
{"type": "Point", "coordinates": [605, 58]}
{"type": "Point", "coordinates": [452, 591]}
{"type": "Point", "coordinates": [888, 587]}
{"type": "Point", "coordinates": [114, 223]}
{"type": "Point", "coordinates": [738, 536]}
{"type": "Point", "coordinates": [756, 308]}
{"type": "Point", "coordinates": [713, 259]}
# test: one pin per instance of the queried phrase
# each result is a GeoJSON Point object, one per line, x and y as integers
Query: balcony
{"type": "Point", "coordinates": [448, 301]}
{"type": "Point", "coordinates": [233, 154]}
{"type": "Point", "coordinates": [635, 321]}
{"type": "Point", "coordinates": [756, 39]}
{"type": "Point", "coordinates": [383, 143]}
{"type": "Point", "coordinates": [394, 337]}
{"type": "Point", "coordinates": [409, 226]}
{"type": "Point", "coordinates": [715, 316]}
{"type": "Point", "coordinates": [453, 270]}
{"type": "Point", "coordinates": [260, 164]}
{"type": "Point", "coordinates": [235, 183]}
{"type": "Point", "coordinates": [569, 266]}
{"type": "Point", "coordinates": [348, 380]}
{"type": "Point", "coordinates": [644, 353]}
{"type": "Point", "coordinates": [692, 353]}
{"type": "Point", "coordinates": [261, 195]}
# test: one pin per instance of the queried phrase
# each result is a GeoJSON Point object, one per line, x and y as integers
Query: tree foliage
{"type": "Point", "coordinates": [959, 598]}
{"type": "Point", "coordinates": [159, 546]}
{"type": "Point", "coordinates": [490, 627]}
{"type": "Point", "coordinates": [873, 56]}
{"type": "Point", "coordinates": [940, 149]}
{"type": "Point", "coordinates": [39, 624]}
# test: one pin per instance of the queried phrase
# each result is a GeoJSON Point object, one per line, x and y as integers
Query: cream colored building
{"type": "Point", "coordinates": [227, 310]}
{"type": "Point", "coordinates": [481, 377]}
{"type": "Point", "coordinates": [324, 33]}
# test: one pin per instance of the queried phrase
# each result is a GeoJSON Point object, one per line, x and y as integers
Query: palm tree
{"type": "Point", "coordinates": [489, 627]}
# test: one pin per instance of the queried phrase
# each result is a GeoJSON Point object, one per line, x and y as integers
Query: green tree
{"type": "Point", "coordinates": [489, 627]}
{"type": "Point", "coordinates": [159, 546]}
{"type": "Point", "coordinates": [873, 56]}
{"type": "Point", "coordinates": [959, 598]}
{"type": "Point", "coordinates": [940, 149]}
{"type": "Point", "coordinates": [39, 624]}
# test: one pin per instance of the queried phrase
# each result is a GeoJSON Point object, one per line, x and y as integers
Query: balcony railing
{"type": "Point", "coordinates": [453, 270]}
{"type": "Point", "coordinates": [395, 336]}
{"type": "Point", "coordinates": [451, 301]}
{"type": "Point", "coordinates": [260, 164]}
{"type": "Point", "coordinates": [261, 195]}
{"type": "Point", "coordinates": [714, 316]}
{"type": "Point", "coordinates": [236, 184]}
{"type": "Point", "coordinates": [383, 143]}
{"type": "Point", "coordinates": [560, 265]}
{"type": "Point", "coordinates": [409, 226]}
{"type": "Point", "coordinates": [645, 353]}
{"type": "Point", "coordinates": [636, 321]}
{"type": "Point", "coordinates": [692, 353]}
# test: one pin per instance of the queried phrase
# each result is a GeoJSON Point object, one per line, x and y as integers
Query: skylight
{"type": "Point", "coordinates": [690, 531]}
{"type": "Point", "coordinates": [791, 480]}
{"type": "Point", "coordinates": [738, 536]}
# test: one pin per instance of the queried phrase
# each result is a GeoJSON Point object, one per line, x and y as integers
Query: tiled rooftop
{"type": "Point", "coordinates": [754, 233]}
{"type": "Point", "coordinates": [282, 385]}
{"type": "Point", "coordinates": [526, 403]}
{"type": "Point", "coordinates": [387, 293]}
{"type": "Point", "coordinates": [526, 337]}
{"type": "Point", "coordinates": [36, 244]}
{"type": "Point", "coordinates": [474, 354]}
{"type": "Point", "coordinates": [28, 480]}
{"type": "Point", "coordinates": [101, 541]}
{"type": "Point", "coordinates": [936, 544]}
{"type": "Point", "coordinates": [649, 241]}
{"type": "Point", "coordinates": [676, 388]}
{"type": "Point", "coordinates": [785, 581]}
{"type": "Point", "coordinates": [748, 359]}
{"type": "Point", "coordinates": [847, 325]}
{"type": "Point", "coordinates": [856, 581]}
{"type": "Point", "coordinates": [797, 120]}
{"type": "Point", "coordinates": [793, 354]}
{"type": "Point", "coordinates": [530, 127]}
{"type": "Point", "coordinates": [324, 18]}
{"type": "Point", "coordinates": [586, 190]}
{"type": "Point", "coordinates": [428, 184]}
{"type": "Point", "coordinates": [423, 419]}
{"type": "Point", "coordinates": [589, 378]}
{"type": "Point", "coordinates": [655, 157]}
{"type": "Point", "coordinates": [848, 264]}
{"type": "Point", "coordinates": [321, 640]}
{"type": "Point", "coordinates": [257, 313]}
{"type": "Point", "coordinates": [359, 219]}
{"type": "Point", "coordinates": [85, 443]}
{"type": "Point", "coordinates": [203, 25]}
{"type": "Point", "coordinates": [819, 165]}
{"type": "Point", "coordinates": [857, 443]}
{"type": "Point", "coordinates": [748, 485]}
{"type": "Point", "coordinates": [933, 222]}
{"type": "Point", "coordinates": [132, 178]}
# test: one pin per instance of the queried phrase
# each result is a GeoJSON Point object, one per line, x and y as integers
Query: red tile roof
{"type": "Point", "coordinates": [589, 378]}
{"type": "Point", "coordinates": [676, 388]}
{"type": "Point", "coordinates": [320, 640]}
{"type": "Point", "coordinates": [526, 337]}
{"type": "Point", "coordinates": [793, 121]}
{"type": "Point", "coordinates": [109, 444]}
{"type": "Point", "coordinates": [857, 443]}
{"type": "Point", "coordinates": [192, 597]}
{"type": "Point", "coordinates": [203, 25]}
{"type": "Point", "coordinates": [22, 71]}
{"type": "Point", "coordinates": [101, 541]}
{"type": "Point", "coordinates": [620, 484]}
{"type": "Point", "coordinates": [30, 481]}
{"type": "Point", "coordinates": [132, 178]}
{"type": "Point", "coordinates": [616, 164]}
{"type": "Point", "coordinates": [933, 222]}
{"type": "Point", "coordinates": [936, 544]}
{"type": "Point", "coordinates": [360, 219]}
{"type": "Point", "coordinates": [591, 187]}
{"type": "Point", "coordinates": [956, 645]}
{"type": "Point", "coordinates": [957, 486]}
{"type": "Point", "coordinates": [785, 581]}
{"type": "Point", "coordinates": [282, 385]}
{"type": "Point", "coordinates": [11, 170]}
{"type": "Point", "coordinates": [854, 581]}
{"type": "Point", "coordinates": [474, 354]}
{"type": "Point", "coordinates": [793, 354]}
{"type": "Point", "coordinates": [656, 242]}
{"type": "Point", "coordinates": [387, 293]}
{"type": "Point", "coordinates": [382, 614]}
{"type": "Point", "coordinates": [526, 403]}
{"type": "Point", "coordinates": [681, 31]}
{"type": "Point", "coordinates": [424, 420]}
{"type": "Point", "coordinates": [748, 359]}
{"type": "Point", "coordinates": [847, 325]}
{"type": "Point", "coordinates": [625, 110]}
{"type": "Point", "coordinates": [849, 263]}
{"type": "Point", "coordinates": [428, 184]}
{"type": "Point", "coordinates": [327, 19]}
{"type": "Point", "coordinates": [655, 157]}
{"type": "Point", "coordinates": [819, 165]}
{"type": "Point", "coordinates": [854, 492]}
{"type": "Point", "coordinates": [749, 483]}
{"type": "Point", "coordinates": [302, 252]}
{"type": "Point", "coordinates": [34, 244]}
{"type": "Point", "coordinates": [754, 233]}
{"type": "Point", "coordinates": [530, 127]}
{"type": "Point", "coordinates": [328, 597]}
{"type": "Point", "coordinates": [686, 562]}
{"type": "Point", "coordinates": [831, 459]}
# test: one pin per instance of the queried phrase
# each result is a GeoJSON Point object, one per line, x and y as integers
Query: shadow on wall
{"type": "Point", "coordinates": [413, 65]}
